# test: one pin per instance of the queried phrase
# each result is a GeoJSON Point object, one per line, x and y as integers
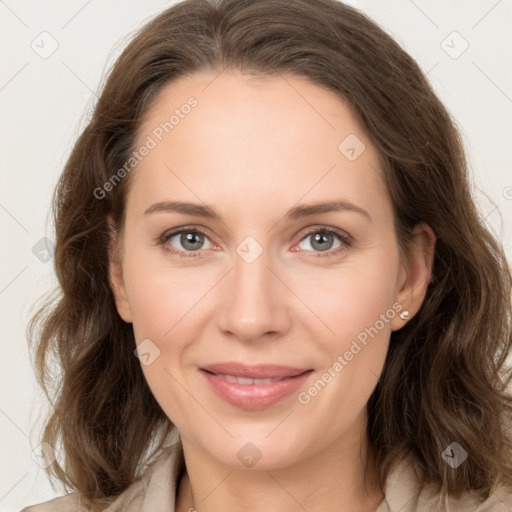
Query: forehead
{"type": "Point", "coordinates": [243, 140]}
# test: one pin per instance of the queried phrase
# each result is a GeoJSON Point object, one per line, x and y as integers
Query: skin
{"type": "Point", "coordinates": [252, 149]}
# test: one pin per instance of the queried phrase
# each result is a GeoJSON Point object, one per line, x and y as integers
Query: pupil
{"type": "Point", "coordinates": [318, 238]}
{"type": "Point", "coordinates": [188, 239]}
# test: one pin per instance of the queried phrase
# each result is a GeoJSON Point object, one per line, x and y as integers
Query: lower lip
{"type": "Point", "coordinates": [254, 396]}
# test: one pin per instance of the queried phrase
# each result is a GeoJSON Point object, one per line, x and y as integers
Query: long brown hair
{"type": "Point", "coordinates": [444, 378]}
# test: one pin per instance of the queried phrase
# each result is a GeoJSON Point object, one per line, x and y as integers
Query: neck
{"type": "Point", "coordinates": [332, 479]}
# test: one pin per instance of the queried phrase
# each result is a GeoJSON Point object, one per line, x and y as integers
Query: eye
{"type": "Point", "coordinates": [323, 240]}
{"type": "Point", "coordinates": [185, 242]}
{"type": "Point", "coordinates": [190, 241]}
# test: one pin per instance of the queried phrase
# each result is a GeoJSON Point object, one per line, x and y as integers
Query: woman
{"type": "Point", "coordinates": [276, 291]}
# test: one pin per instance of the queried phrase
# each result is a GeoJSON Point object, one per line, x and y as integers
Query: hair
{"type": "Point", "coordinates": [444, 377]}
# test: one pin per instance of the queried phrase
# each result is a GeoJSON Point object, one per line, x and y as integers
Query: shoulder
{"type": "Point", "coordinates": [67, 503]}
{"type": "Point", "coordinates": [405, 492]}
{"type": "Point", "coordinates": [155, 489]}
{"type": "Point", "coordinates": [130, 500]}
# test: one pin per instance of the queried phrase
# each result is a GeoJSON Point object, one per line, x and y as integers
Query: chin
{"type": "Point", "coordinates": [256, 450]}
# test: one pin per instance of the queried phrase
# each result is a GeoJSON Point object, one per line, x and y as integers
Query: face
{"type": "Point", "coordinates": [249, 280]}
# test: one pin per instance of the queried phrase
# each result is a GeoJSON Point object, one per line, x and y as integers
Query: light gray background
{"type": "Point", "coordinates": [45, 102]}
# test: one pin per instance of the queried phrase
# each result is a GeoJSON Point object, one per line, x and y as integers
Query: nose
{"type": "Point", "coordinates": [255, 303]}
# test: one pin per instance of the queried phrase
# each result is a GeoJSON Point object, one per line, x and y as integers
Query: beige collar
{"type": "Point", "coordinates": [156, 490]}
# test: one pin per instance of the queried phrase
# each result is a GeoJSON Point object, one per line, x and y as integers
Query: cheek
{"type": "Point", "coordinates": [357, 307]}
{"type": "Point", "coordinates": [351, 299]}
{"type": "Point", "coordinates": [355, 302]}
{"type": "Point", "coordinates": [360, 323]}
{"type": "Point", "coordinates": [162, 297]}
{"type": "Point", "coordinates": [162, 303]}
{"type": "Point", "coordinates": [362, 306]}
{"type": "Point", "coordinates": [166, 304]}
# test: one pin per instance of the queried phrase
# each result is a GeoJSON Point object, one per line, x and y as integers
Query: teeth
{"type": "Point", "coordinates": [246, 380]}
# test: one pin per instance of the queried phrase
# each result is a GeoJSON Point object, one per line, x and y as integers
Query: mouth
{"type": "Point", "coordinates": [253, 387]}
{"type": "Point", "coordinates": [246, 380]}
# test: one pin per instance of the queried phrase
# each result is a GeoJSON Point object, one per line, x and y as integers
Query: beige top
{"type": "Point", "coordinates": [155, 491]}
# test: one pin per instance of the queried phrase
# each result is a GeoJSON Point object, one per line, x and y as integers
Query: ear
{"type": "Point", "coordinates": [416, 273]}
{"type": "Point", "coordinates": [116, 279]}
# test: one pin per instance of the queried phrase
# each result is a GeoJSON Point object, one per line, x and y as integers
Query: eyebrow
{"type": "Point", "coordinates": [295, 213]}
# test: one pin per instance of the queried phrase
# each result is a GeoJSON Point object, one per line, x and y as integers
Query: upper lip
{"type": "Point", "coordinates": [259, 371]}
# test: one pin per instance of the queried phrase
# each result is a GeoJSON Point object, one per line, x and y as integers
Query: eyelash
{"type": "Point", "coordinates": [343, 238]}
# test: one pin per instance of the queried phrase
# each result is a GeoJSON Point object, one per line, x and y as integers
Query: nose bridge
{"type": "Point", "coordinates": [255, 302]}
{"type": "Point", "coordinates": [251, 278]}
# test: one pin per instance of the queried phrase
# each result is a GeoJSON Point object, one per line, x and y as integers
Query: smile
{"type": "Point", "coordinates": [253, 388]}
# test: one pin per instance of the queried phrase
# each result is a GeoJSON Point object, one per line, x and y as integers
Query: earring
{"type": "Point", "coordinates": [404, 315]}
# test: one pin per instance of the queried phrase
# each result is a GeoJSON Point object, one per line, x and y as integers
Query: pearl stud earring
{"type": "Point", "coordinates": [404, 315]}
